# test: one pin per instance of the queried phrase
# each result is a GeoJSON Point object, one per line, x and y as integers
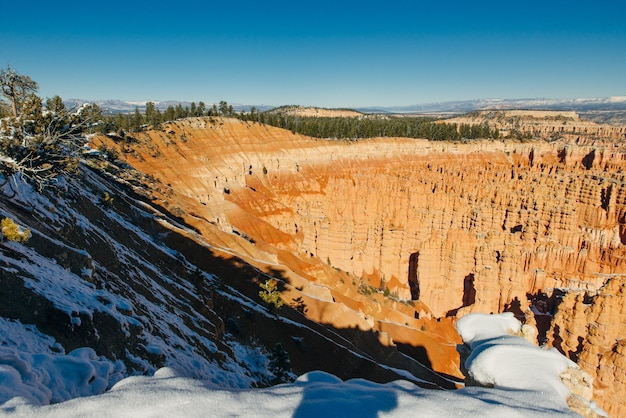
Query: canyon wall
{"type": "Point", "coordinates": [589, 328]}
{"type": "Point", "coordinates": [456, 227]}
{"type": "Point", "coordinates": [442, 228]}
{"type": "Point", "coordinates": [544, 124]}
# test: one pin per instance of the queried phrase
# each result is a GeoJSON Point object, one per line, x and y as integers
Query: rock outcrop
{"type": "Point", "coordinates": [589, 327]}
{"type": "Point", "coordinates": [400, 236]}
{"type": "Point", "coordinates": [546, 124]}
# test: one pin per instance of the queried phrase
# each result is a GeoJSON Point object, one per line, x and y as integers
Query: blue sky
{"type": "Point", "coordinates": [324, 53]}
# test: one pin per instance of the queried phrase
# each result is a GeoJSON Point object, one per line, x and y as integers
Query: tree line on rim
{"type": "Point", "coordinates": [372, 126]}
{"type": "Point", "coordinates": [40, 141]}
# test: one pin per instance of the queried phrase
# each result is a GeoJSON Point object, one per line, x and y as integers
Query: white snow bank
{"type": "Point", "coordinates": [314, 394]}
{"type": "Point", "coordinates": [35, 368]}
{"type": "Point", "coordinates": [525, 380]}
{"type": "Point", "coordinates": [502, 359]}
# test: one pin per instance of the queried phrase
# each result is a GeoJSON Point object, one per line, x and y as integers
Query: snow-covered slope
{"type": "Point", "coordinates": [96, 273]}
{"type": "Point", "coordinates": [500, 359]}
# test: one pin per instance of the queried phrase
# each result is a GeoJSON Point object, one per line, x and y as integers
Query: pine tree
{"type": "Point", "coordinates": [223, 108]}
{"type": "Point", "coordinates": [37, 147]}
{"type": "Point", "coordinates": [136, 121]}
{"type": "Point", "coordinates": [55, 104]}
{"type": "Point", "coordinates": [16, 87]}
{"type": "Point", "coordinates": [169, 114]}
{"type": "Point", "coordinates": [201, 109]}
{"type": "Point", "coordinates": [150, 113]}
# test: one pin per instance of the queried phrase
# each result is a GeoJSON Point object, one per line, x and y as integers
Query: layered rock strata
{"type": "Point", "coordinates": [544, 124]}
{"type": "Point", "coordinates": [589, 327]}
{"type": "Point", "coordinates": [422, 230]}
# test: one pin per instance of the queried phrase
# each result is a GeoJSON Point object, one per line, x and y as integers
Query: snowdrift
{"type": "Point", "coordinates": [525, 380]}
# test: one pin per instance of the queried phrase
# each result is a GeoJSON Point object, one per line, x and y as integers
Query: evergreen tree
{"type": "Point", "coordinates": [55, 104]}
{"type": "Point", "coordinates": [169, 114]}
{"type": "Point", "coordinates": [223, 108]}
{"type": "Point", "coordinates": [136, 121]}
{"type": "Point", "coordinates": [179, 111]}
{"type": "Point", "coordinates": [150, 114]}
{"type": "Point", "coordinates": [201, 109]}
{"type": "Point", "coordinates": [92, 114]}
{"type": "Point", "coordinates": [16, 87]}
{"type": "Point", "coordinates": [38, 147]}
{"type": "Point", "coordinates": [253, 114]}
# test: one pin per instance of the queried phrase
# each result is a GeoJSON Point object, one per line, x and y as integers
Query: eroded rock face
{"type": "Point", "coordinates": [590, 328]}
{"type": "Point", "coordinates": [448, 228]}
{"type": "Point", "coordinates": [544, 124]}
{"type": "Point", "coordinates": [460, 228]}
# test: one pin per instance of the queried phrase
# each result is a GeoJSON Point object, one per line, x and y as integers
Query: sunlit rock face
{"type": "Point", "coordinates": [545, 124]}
{"type": "Point", "coordinates": [590, 329]}
{"type": "Point", "coordinates": [457, 228]}
{"type": "Point", "coordinates": [452, 228]}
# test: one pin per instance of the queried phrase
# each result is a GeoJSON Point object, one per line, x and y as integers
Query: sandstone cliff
{"type": "Point", "coordinates": [400, 236]}
{"type": "Point", "coordinates": [590, 327]}
{"type": "Point", "coordinates": [544, 124]}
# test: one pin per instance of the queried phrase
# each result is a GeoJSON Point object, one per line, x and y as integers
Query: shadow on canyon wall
{"type": "Point", "coordinates": [229, 305]}
{"type": "Point", "coordinates": [344, 352]}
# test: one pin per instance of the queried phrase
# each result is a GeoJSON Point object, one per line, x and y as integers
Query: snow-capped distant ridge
{"type": "Point", "coordinates": [122, 106]}
{"type": "Point", "coordinates": [617, 99]}
{"type": "Point", "coordinates": [612, 103]}
{"type": "Point", "coordinates": [464, 106]}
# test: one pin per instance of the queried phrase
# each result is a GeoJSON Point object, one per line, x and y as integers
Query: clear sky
{"type": "Point", "coordinates": [324, 53]}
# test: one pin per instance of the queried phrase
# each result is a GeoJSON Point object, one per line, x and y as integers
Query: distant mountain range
{"type": "Point", "coordinates": [614, 103]}
{"type": "Point", "coordinates": [580, 105]}
{"type": "Point", "coordinates": [120, 106]}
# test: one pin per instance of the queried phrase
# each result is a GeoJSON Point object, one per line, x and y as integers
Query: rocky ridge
{"type": "Point", "coordinates": [547, 124]}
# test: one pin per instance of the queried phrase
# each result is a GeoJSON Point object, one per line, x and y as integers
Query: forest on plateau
{"type": "Point", "coordinates": [350, 128]}
{"type": "Point", "coordinates": [371, 126]}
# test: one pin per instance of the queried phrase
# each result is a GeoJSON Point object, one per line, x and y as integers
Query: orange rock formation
{"type": "Point", "coordinates": [441, 229]}
{"type": "Point", "coordinates": [544, 124]}
{"type": "Point", "coordinates": [590, 328]}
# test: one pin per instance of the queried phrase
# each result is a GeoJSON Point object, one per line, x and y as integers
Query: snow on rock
{"type": "Point", "coordinates": [501, 358]}
{"type": "Point", "coordinates": [35, 368]}
{"type": "Point", "coordinates": [523, 379]}
{"type": "Point", "coordinates": [314, 394]}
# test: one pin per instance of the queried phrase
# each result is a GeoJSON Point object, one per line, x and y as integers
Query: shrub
{"type": "Point", "coordinates": [107, 199]}
{"type": "Point", "coordinates": [13, 232]}
{"type": "Point", "coordinates": [270, 294]}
